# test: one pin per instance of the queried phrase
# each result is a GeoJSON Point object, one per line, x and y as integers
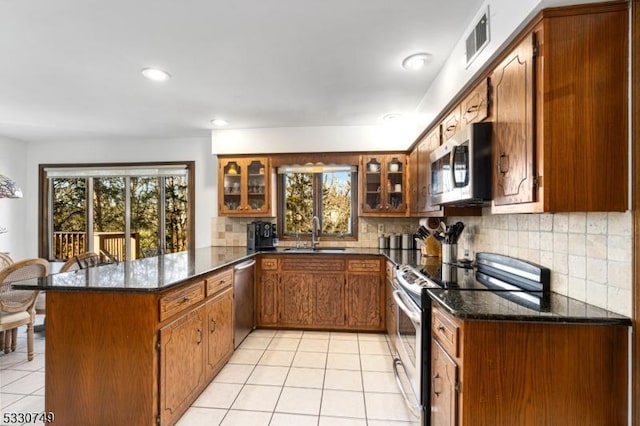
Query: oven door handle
{"type": "Point", "coordinates": [415, 409]}
{"type": "Point", "coordinates": [413, 315]}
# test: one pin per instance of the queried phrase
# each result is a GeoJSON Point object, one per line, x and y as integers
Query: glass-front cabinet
{"type": "Point", "coordinates": [243, 186]}
{"type": "Point", "coordinates": [383, 186]}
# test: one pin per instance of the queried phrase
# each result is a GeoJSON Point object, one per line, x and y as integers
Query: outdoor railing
{"type": "Point", "coordinates": [69, 244]}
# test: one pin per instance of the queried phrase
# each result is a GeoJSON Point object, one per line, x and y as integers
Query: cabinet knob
{"type": "Point", "coordinates": [441, 329]}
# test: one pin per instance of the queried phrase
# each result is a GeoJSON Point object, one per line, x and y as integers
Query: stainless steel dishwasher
{"type": "Point", "coordinates": [243, 300]}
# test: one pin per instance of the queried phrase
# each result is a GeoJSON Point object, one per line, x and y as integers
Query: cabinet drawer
{"type": "Point", "coordinates": [179, 300]}
{"type": "Point", "coordinates": [446, 330]}
{"type": "Point", "coordinates": [312, 263]}
{"type": "Point", "coordinates": [219, 281]}
{"type": "Point", "coordinates": [364, 265]}
{"type": "Point", "coordinates": [475, 106]}
{"type": "Point", "coordinates": [269, 264]}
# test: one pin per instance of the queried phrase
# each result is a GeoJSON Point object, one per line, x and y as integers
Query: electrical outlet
{"type": "Point", "coordinates": [380, 228]}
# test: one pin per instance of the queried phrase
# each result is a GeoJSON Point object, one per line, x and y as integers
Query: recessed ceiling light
{"type": "Point", "coordinates": [416, 61]}
{"type": "Point", "coordinates": [391, 117]}
{"type": "Point", "coordinates": [219, 122]}
{"type": "Point", "coordinates": [155, 74]}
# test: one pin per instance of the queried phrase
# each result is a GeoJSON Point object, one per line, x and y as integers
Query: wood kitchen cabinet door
{"type": "Point", "coordinates": [243, 186]}
{"type": "Point", "coordinates": [444, 379]}
{"type": "Point", "coordinates": [295, 299]}
{"type": "Point", "coordinates": [182, 371]}
{"type": "Point", "coordinates": [475, 106]}
{"type": "Point", "coordinates": [426, 146]}
{"type": "Point", "coordinates": [267, 298]}
{"type": "Point", "coordinates": [413, 183]}
{"type": "Point", "coordinates": [329, 300]}
{"type": "Point", "coordinates": [451, 124]}
{"type": "Point", "coordinates": [219, 328]}
{"type": "Point", "coordinates": [383, 187]}
{"type": "Point", "coordinates": [513, 143]}
{"type": "Point", "coordinates": [365, 301]}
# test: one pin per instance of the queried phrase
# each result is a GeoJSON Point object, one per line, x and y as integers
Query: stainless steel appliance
{"type": "Point", "coordinates": [461, 168]}
{"type": "Point", "coordinates": [262, 235]}
{"type": "Point", "coordinates": [522, 282]}
{"type": "Point", "coordinates": [243, 300]}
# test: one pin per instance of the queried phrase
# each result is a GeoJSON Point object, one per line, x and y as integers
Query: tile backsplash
{"type": "Point", "coordinates": [589, 254]}
{"type": "Point", "coordinates": [228, 231]}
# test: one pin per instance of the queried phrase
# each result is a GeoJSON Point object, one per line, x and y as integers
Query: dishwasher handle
{"type": "Point", "coordinates": [244, 265]}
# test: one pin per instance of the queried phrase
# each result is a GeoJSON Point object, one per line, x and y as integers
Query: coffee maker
{"type": "Point", "coordinates": [261, 235]}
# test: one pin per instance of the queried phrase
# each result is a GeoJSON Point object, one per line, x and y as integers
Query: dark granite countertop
{"type": "Point", "coordinates": [159, 273]}
{"type": "Point", "coordinates": [499, 306]}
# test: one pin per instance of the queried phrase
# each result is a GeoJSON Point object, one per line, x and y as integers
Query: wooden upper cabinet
{"type": "Point", "coordinates": [413, 182]}
{"type": "Point", "coordinates": [452, 123]}
{"type": "Point", "coordinates": [243, 186]}
{"type": "Point", "coordinates": [560, 114]}
{"type": "Point", "coordinates": [426, 146]}
{"type": "Point", "coordinates": [384, 181]}
{"type": "Point", "coordinates": [513, 144]}
{"type": "Point", "coordinates": [475, 107]}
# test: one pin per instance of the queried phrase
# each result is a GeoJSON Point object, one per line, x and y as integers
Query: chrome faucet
{"type": "Point", "coordinates": [315, 229]}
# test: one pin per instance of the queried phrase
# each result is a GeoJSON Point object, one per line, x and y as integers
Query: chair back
{"type": "Point", "coordinates": [20, 300]}
{"type": "Point", "coordinates": [81, 261]}
{"type": "Point", "coordinates": [5, 260]}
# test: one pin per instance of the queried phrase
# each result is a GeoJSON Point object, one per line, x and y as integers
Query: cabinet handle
{"type": "Point", "coordinates": [451, 128]}
{"type": "Point", "coordinates": [441, 329]}
{"type": "Point", "coordinates": [185, 299]}
{"type": "Point", "coordinates": [199, 336]}
{"type": "Point", "coordinates": [473, 108]}
{"type": "Point", "coordinates": [436, 377]}
{"type": "Point", "coordinates": [503, 163]}
{"type": "Point", "coordinates": [212, 325]}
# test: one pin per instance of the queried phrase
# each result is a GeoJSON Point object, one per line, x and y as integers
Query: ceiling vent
{"type": "Point", "coordinates": [478, 38]}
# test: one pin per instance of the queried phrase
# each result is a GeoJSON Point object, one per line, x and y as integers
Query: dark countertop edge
{"type": "Point", "coordinates": [250, 254]}
{"type": "Point", "coordinates": [540, 319]}
{"type": "Point", "coordinates": [616, 319]}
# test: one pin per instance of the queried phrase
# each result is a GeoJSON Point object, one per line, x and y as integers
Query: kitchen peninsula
{"type": "Point", "coordinates": [136, 342]}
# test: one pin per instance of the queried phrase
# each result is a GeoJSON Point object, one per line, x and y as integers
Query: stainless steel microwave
{"type": "Point", "coordinates": [461, 168]}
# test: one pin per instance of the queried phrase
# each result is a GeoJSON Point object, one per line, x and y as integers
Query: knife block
{"type": "Point", "coordinates": [431, 247]}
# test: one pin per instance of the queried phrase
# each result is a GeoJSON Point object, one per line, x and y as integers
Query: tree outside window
{"type": "Point", "coordinates": [326, 193]}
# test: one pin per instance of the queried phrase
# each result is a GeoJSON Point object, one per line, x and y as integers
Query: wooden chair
{"type": "Point", "coordinates": [17, 307]}
{"type": "Point", "coordinates": [81, 261]}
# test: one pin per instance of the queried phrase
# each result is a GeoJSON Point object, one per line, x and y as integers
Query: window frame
{"type": "Point", "coordinates": [44, 194]}
{"type": "Point", "coordinates": [317, 201]}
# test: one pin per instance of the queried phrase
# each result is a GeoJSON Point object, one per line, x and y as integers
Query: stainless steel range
{"type": "Point", "coordinates": [517, 280]}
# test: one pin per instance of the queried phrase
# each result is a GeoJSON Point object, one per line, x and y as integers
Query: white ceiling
{"type": "Point", "coordinates": [71, 68]}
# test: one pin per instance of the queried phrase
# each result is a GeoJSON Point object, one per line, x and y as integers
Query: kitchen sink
{"type": "Point", "coordinates": [315, 250]}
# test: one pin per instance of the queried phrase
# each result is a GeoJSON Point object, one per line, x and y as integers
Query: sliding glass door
{"type": "Point", "coordinates": [135, 212]}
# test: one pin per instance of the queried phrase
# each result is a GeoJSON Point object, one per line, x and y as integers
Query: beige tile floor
{"type": "Point", "coordinates": [283, 377]}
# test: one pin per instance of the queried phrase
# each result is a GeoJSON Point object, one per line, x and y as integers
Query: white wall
{"type": "Point", "coordinates": [506, 19]}
{"type": "Point", "coordinates": [197, 150]}
{"type": "Point", "coordinates": [13, 155]}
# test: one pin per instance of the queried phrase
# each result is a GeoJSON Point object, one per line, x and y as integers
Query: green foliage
{"type": "Point", "coordinates": [334, 211]}
{"type": "Point", "coordinates": [70, 210]}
